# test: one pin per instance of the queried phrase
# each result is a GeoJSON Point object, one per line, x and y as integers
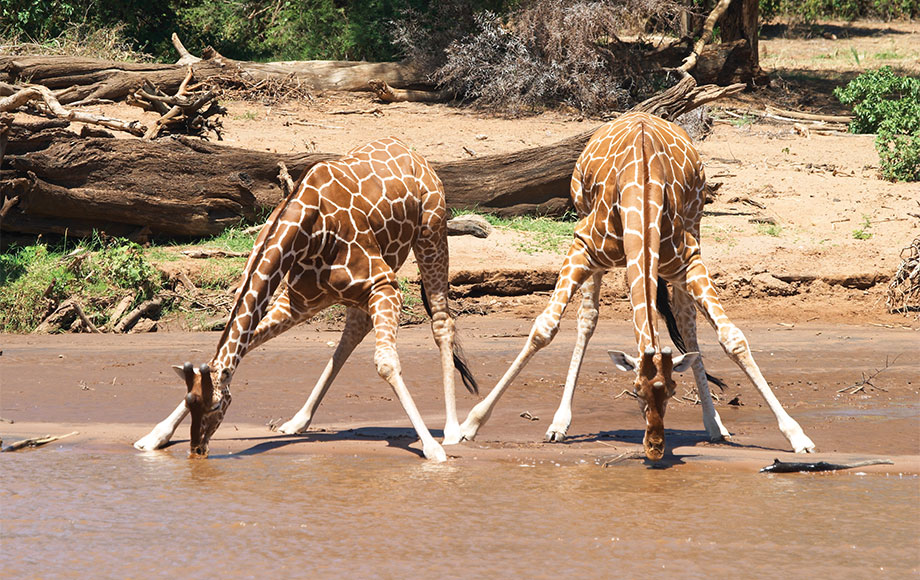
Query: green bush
{"type": "Point", "coordinates": [889, 106]}
{"type": "Point", "coordinates": [35, 279]}
{"type": "Point", "coordinates": [809, 11]}
{"type": "Point", "coordinates": [242, 29]}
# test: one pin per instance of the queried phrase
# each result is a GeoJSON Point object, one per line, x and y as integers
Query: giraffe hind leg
{"type": "Point", "coordinates": [432, 257]}
{"type": "Point", "coordinates": [735, 345]}
{"type": "Point", "coordinates": [685, 320]}
{"type": "Point", "coordinates": [384, 307]}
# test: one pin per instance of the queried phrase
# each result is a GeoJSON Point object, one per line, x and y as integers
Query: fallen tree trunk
{"type": "Point", "coordinates": [80, 79]}
{"type": "Point", "coordinates": [189, 188]}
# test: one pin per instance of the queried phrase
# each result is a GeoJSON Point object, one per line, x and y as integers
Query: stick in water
{"type": "Point", "coordinates": [35, 441]}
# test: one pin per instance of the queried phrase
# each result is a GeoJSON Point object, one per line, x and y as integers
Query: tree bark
{"type": "Point", "coordinates": [741, 22]}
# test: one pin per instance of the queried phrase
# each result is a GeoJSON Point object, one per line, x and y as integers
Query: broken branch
{"type": "Point", "coordinates": [36, 441]}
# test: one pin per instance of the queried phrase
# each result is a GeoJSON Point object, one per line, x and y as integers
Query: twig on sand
{"type": "Point", "coordinates": [867, 380]}
{"type": "Point", "coordinates": [35, 441]}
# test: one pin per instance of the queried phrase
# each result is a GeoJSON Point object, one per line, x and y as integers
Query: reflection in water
{"type": "Point", "coordinates": [140, 515]}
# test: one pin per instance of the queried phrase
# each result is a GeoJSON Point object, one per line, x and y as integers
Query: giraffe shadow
{"type": "Point", "coordinates": [673, 438]}
{"type": "Point", "coordinates": [395, 437]}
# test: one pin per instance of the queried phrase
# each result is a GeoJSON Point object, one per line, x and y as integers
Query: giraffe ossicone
{"type": "Point", "coordinates": [338, 238]}
{"type": "Point", "coordinates": [639, 190]}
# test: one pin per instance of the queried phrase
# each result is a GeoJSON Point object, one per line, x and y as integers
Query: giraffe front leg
{"type": "Point", "coordinates": [385, 304]}
{"type": "Point", "coordinates": [574, 273]}
{"type": "Point", "coordinates": [685, 315]}
{"type": "Point", "coordinates": [587, 322]}
{"type": "Point", "coordinates": [736, 347]}
{"type": "Point", "coordinates": [357, 325]}
{"type": "Point", "coordinates": [163, 432]}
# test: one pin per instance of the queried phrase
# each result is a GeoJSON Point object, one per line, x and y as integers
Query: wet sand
{"type": "Point", "coordinates": [114, 389]}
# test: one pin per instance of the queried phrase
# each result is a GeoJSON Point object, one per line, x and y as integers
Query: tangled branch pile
{"type": "Point", "coordinates": [556, 52]}
{"type": "Point", "coordinates": [904, 288]}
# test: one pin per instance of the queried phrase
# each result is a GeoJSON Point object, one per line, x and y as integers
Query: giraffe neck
{"type": "Point", "coordinates": [273, 254]}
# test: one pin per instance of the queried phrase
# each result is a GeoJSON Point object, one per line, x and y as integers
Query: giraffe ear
{"type": "Point", "coordinates": [623, 361]}
{"type": "Point", "coordinates": [179, 371]}
{"type": "Point", "coordinates": [683, 362]}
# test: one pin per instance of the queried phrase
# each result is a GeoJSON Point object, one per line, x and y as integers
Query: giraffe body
{"type": "Point", "coordinates": [638, 188]}
{"type": "Point", "coordinates": [338, 238]}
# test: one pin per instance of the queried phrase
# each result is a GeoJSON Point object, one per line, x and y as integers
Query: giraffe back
{"type": "Point", "coordinates": [638, 164]}
{"type": "Point", "coordinates": [357, 218]}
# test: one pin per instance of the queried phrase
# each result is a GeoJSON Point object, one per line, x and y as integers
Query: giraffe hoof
{"type": "Point", "coordinates": [803, 445]}
{"type": "Point", "coordinates": [292, 427]}
{"type": "Point", "coordinates": [452, 436]}
{"type": "Point", "coordinates": [554, 436]}
{"type": "Point", "coordinates": [434, 452]}
{"type": "Point", "coordinates": [151, 442]}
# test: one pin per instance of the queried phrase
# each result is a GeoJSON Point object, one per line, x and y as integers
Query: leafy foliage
{"type": "Point", "coordinates": [809, 11]}
{"type": "Point", "coordinates": [35, 279]}
{"type": "Point", "coordinates": [245, 29]}
{"type": "Point", "coordinates": [889, 106]}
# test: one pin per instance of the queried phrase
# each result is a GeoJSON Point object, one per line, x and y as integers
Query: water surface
{"type": "Point", "coordinates": [72, 512]}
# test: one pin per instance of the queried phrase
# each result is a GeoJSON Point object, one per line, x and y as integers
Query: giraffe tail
{"type": "Point", "coordinates": [663, 303]}
{"type": "Point", "coordinates": [469, 381]}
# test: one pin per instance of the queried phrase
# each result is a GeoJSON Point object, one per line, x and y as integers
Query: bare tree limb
{"type": "Point", "coordinates": [710, 23]}
{"type": "Point", "coordinates": [185, 57]}
{"type": "Point", "coordinates": [36, 441]}
{"type": "Point", "coordinates": [54, 107]}
{"type": "Point", "coordinates": [132, 317]}
{"type": "Point", "coordinates": [287, 184]}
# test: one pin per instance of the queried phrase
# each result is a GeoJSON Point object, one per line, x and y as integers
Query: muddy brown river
{"type": "Point", "coordinates": [72, 512]}
{"type": "Point", "coordinates": [352, 497]}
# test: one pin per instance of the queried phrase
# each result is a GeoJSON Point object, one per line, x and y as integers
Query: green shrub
{"type": "Point", "coordinates": [808, 11]}
{"type": "Point", "coordinates": [889, 106]}
{"type": "Point", "coordinates": [35, 279]}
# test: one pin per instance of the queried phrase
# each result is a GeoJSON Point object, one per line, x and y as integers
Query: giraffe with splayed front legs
{"type": "Point", "coordinates": [338, 238]}
{"type": "Point", "coordinates": [638, 188]}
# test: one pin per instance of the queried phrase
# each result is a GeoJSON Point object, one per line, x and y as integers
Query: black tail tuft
{"type": "Point", "coordinates": [663, 302]}
{"type": "Point", "coordinates": [469, 381]}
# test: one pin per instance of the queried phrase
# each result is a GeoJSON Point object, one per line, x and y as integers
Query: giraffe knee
{"type": "Point", "coordinates": [733, 341]}
{"type": "Point", "coordinates": [442, 327]}
{"type": "Point", "coordinates": [544, 330]}
{"type": "Point", "coordinates": [387, 365]}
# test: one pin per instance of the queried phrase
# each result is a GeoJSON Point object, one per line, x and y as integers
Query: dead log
{"type": "Point", "coordinates": [120, 310]}
{"type": "Point", "coordinates": [177, 187]}
{"type": "Point", "coordinates": [388, 94]}
{"type": "Point", "coordinates": [81, 79]}
{"type": "Point", "coordinates": [190, 188]}
{"type": "Point", "coordinates": [143, 309]}
{"type": "Point", "coordinates": [63, 316]}
{"type": "Point", "coordinates": [469, 225]}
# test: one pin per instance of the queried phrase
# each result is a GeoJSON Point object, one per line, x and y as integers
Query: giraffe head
{"type": "Point", "coordinates": [654, 387]}
{"type": "Point", "coordinates": [205, 404]}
